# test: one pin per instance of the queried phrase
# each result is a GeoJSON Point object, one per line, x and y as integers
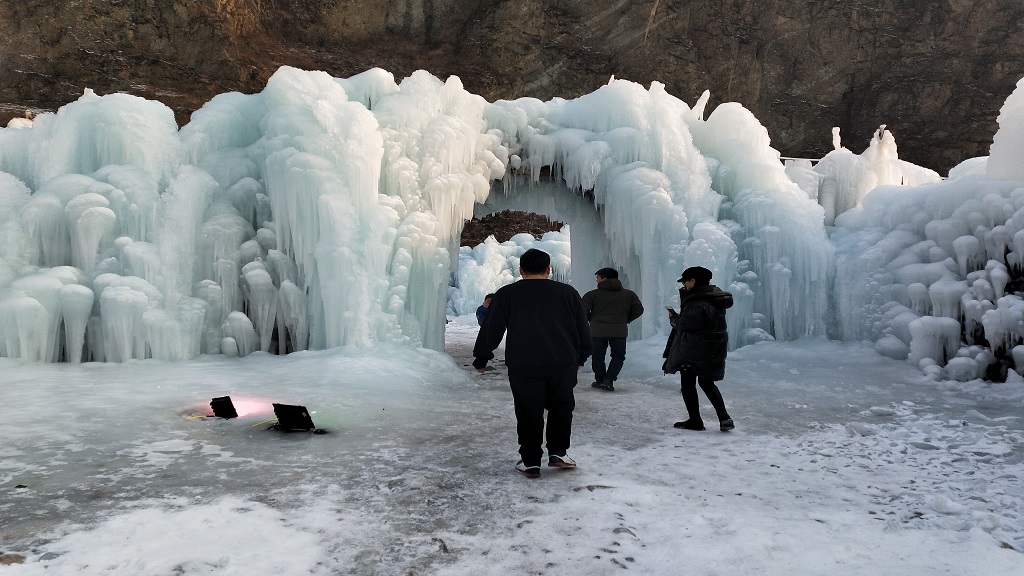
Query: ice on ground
{"type": "Point", "coordinates": [415, 470]}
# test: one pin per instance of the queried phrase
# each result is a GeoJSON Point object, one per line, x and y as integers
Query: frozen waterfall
{"type": "Point", "coordinates": [326, 212]}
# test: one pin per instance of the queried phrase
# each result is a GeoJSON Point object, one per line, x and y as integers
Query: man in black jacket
{"type": "Point", "coordinates": [698, 345]}
{"type": "Point", "coordinates": [609, 308]}
{"type": "Point", "coordinates": [548, 340]}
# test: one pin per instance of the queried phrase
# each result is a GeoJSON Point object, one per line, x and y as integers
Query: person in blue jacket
{"type": "Point", "coordinates": [481, 310]}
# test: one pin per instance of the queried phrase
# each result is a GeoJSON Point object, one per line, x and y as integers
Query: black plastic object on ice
{"type": "Point", "coordinates": [292, 417]}
{"type": "Point", "coordinates": [223, 408]}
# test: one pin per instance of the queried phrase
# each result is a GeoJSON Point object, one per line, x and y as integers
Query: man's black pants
{"type": "Point", "coordinates": [601, 344]}
{"type": "Point", "coordinates": [533, 395]}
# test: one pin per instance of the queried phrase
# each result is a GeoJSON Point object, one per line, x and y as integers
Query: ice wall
{"type": "Point", "coordinates": [929, 272]}
{"type": "Point", "coordinates": [320, 212]}
{"type": "Point", "coordinates": [930, 269]}
{"type": "Point", "coordinates": [1006, 156]}
{"type": "Point", "coordinates": [326, 212]}
{"type": "Point", "coordinates": [782, 247]}
{"type": "Point", "coordinates": [844, 178]}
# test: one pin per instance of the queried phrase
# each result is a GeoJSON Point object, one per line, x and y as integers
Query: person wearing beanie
{"type": "Point", "coordinates": [609, 307]}
{"type": "Point", "coordinates": [698, 345]}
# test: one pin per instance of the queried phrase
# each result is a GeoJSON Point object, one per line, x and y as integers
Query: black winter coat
{"type": "Point", "coordinates": [699, 338]}
{"type": "Point", "coordinates": [610, 307]}
{"type": "Point", "coordinates": [547, 330]}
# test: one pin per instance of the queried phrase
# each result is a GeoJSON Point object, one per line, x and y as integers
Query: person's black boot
{"type": "Point", "coordinates": [690, 424]}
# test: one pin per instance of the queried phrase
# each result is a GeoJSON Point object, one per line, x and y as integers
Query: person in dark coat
{"type": "Point", "coordinates": [548, 341]}
{"type": "Point", "coordinates": [698, 345]}
{"type": "Point", "coordinates": [609, 308]}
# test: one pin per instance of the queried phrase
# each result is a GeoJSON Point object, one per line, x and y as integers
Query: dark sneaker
{"type": "Point", "coordinates": [562, 461]}
{"type": "Point", "coordinates": [528, 471]}
{"type": "Point", "coordinates": [727, 425]}
{"type": "Point", "coordinates": [595, 385]}
{"type": "Point", "coordinates": [606, 385]}
{"type": "Point", "coordinates": [690, 425]}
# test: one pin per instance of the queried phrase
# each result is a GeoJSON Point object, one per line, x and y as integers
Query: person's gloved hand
{"type": "Point", "coordinates": [480, 364]}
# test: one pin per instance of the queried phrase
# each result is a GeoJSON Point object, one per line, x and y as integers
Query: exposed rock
{"type": "Point", "coordinates": [8, 559]}
{"type": "Point", "coordinates": [506, 224]}
{"type": "Point", "coordinates": [935, 72]}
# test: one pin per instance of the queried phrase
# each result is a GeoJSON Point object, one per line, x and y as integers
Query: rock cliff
{"type": "Point", "coordinates": [935, 72]}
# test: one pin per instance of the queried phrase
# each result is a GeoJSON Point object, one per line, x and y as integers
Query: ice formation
{"type": "Point", "coordinates": [327, 212]}
{"type": "Point", "coordinates": [489, 265]}
{"type": "Point", "coordinates": [932, 272]}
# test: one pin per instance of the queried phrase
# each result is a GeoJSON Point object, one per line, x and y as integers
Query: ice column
{"type": "Point", "coordinates": [24, 321]}
{"type": "Point", "coordinates": [934, 338]}
{"type": "Point", "coordinates": [76, 307]}
{"type": "Point", "coordinates": [262, 296]}
{"type": "Point", "coordinates": [90, 221]}
{"type": "Point", "coordinates": [240, 338]}
{"type": "Point", "coordinates": [175, 334]}
{"type": "Point", "coordinates": [293, 316]}
{"type": "Point", "coordinates": [123, 334]}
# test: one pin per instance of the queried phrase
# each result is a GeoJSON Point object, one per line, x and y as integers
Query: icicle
{"type": "Point", "coordinates": [293, 315]}
{"type": "Point", "coordinates": [210, 292]}
{"type": "Point", "coordinates": [123, 334]}
{"type": "Point", "coordinates": [262, 296]}
{"type": "Point", "coordinates": [24, 320]}
{"type": "Point", "coordinates": [239, 328]}
{"type": "Point", "coordinates": [76, 307]}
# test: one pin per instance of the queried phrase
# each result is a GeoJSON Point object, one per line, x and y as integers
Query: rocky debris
{"type": "Point", "coordinates": [8, 559]}
{"type": "Point", "coordinates": [506, 224]}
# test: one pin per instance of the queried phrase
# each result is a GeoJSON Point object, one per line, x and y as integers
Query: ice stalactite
{"type": "Point", "coordinates": [263, 301]}
{"type": "Point", "coordinates": [76, 303]}
{"type": "Point", "coordinates": [44, 289]}
{"type": "Point", "coordinates": [292, 319]}
{"type": "Point", "coordinates": [90, 221]}
{"type": "Point", "coordinates": [46, 226]}
{"type": "Point", "coordinates": [240, 331]}
{"type": "Point", "coordinates": [934, 338]}
{"type": "Point", "coordinates": [213, 295]}
{"type": "Point", "coordinates": [141, 259]}
{"type": "Point", "coordinates": [780, 233]}
{"type": "Point", "coordinates": [122, 308]}
{"type": "Point", "coordinates": [24, 320]}
{"type": "Point", "coordinates": [176, 333]}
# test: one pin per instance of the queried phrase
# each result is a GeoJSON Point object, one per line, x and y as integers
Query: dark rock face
{"type": "Point", "coordinates": [935, 72]}
{"type": "Point", "coordinates": [506, 224]}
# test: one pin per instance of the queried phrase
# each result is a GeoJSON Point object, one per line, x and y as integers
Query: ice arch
{"type": "Point", "coordinates": [326, 212]}
{"type": "Point", "coordinates": [654, 188]}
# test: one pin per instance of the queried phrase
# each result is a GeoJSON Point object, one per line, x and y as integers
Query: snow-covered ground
{"type": "Point", "coordinates": [843, 462]}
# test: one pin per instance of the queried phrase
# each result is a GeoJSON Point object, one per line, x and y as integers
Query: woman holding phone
{"type": "Point", "coordinates": [698, 345]}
